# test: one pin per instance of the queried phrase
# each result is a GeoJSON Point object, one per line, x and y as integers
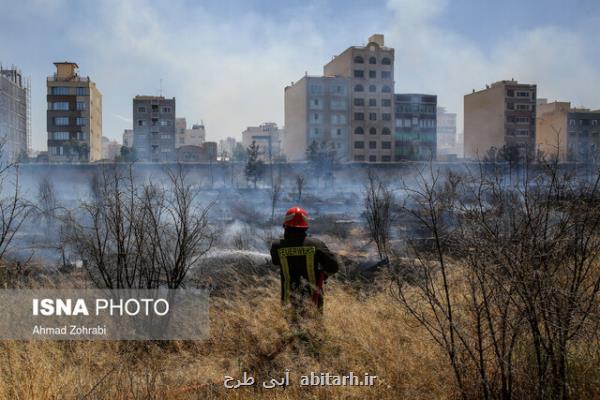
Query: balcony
{"type": "Point", "coordinates": [76, 78]}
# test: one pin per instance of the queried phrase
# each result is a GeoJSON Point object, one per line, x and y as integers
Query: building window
{"type": "Point", "coordinates": [386, 131]}
{"type": "Point", "coordinates": [386, 145]}
{"type": "Point", "coordinates": [60, 106]}
{"type": "Point", "coordinates": [359, 73]}
{"type": "Point", "coordinates": [166, 109]}
{"type": "Point", "coordinates": [359, 60]}
{"type": "Point", "coordinates": [338, 119]}
{"type": "Point", "coordinates": [359, 116]}
{"type": "Point", "coordinates": [372, 145]}
{"type": "Point", "coordinates": [372, 131]}
{"type": "Point", "coordinates": [338, 131]}
{"type": "Point", "coordinates": [372, 158]}
{"type": "Point", "coordinates": [372, 88]}
{"type": "Point", "coordinates": [522, 94]}
{"type": "Point", "coordinates": [572, 123]}
{"type": "Point", "coordinates": [386, 89]}
{"type": "Point", "coordinates": [359, 88]}
{"type": "Point", "coordinates": [81, 106]}
{"type": "Point", "coordinates": [523, 107]}
{"type": "Point", "coordinates": [338, 104]}
{"type": "Point", "coordinates": [510, 106]}
{"type": "Point", "coordinates": [316, 89]}
{"type": "Point", "coordinates": [61, 135]}
{"type": "Point", "coordinates": [359, 158]}
{"type": "Point", "coordinates": [386, 116]}
{"type": "Point", "coordinates": [316, 117]}
{"type": "Point", "coordinates": [386, 102]}
{"type": "Point", "coordinates": [359, 131]}
{"type": "Point", "coordinates": [141, 122]}
{"type": "Point", "coordinates": [372, 74]}
{"type": "Point", "coordinates": [386, 158]}
{"type": "Point", "coordinates": [61, 121]}
{"type": "Point", "coordinates": [386, 75]}
{"type": "Point", "coordinates": [315, 131]}
{"type": "Point", "coordinates": [372, 116]}
{"type": "Point", "coordinates": [372, 60]}
{"type": "Point", "coordinates": [372, 102]}
{"type": "Point", "coordinates": [359, 145]}
{"type": "Point", "coordinates": [510, 93]}
{"type": "Point", "coordinates": [359, 102]}
{"type": "Point", "coordinates": [315, 104]}
{"type": "Point", "coordinates": [81, 121]}
{"type": "Point", "coordinates": [82, 91]}
{"type": "Point", "coordinates": [59, 90]}
{"type": "Point", "coordinates": [141, 109]}
{"type": "Point", "coordinates": [82, 136]}
{"type": "Point", "coordinates": [386, 61]}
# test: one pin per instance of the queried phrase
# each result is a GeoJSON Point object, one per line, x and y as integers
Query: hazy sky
{"type": "Point", "coordinates": [227, 62]}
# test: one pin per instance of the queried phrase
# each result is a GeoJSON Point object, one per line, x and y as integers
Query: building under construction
{"type": "Point", "coordinates": [14, 114]}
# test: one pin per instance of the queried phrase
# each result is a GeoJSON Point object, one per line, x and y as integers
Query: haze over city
{"type": "Point", "coordinates": [227, 63]}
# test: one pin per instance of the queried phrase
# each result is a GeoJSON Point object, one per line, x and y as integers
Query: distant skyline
{"type": "Point", "coordinates": [227, 62]}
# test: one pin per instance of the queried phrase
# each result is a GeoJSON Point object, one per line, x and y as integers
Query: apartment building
{"type": "Point", "coordinates": [502, 114]}
{"type": "Point", "coordinates": [415, 127]}
{"type": "Point", "coordinates": [14, 115]}
{"type": "Point", "coordinates": [74, 116]}
{"type": "Point", "coordinates": [154, 128]}
{"type": "Point", "coordinates": [317, 109]}
{"type": "Point", "coordinates": [226, 147]}
{"type": "Point", "coordinates": [572, 134]}
{"type": "Point", "coordinates": [128, 138]}
{"type": "Point", "coordinates": [194, 136]}
{"type": "Point", "coordinates": [268, 137]}
{"type": "Point", "coordinates": [446, 133]}
{"type": "Point", "coordinates": [370, 69]}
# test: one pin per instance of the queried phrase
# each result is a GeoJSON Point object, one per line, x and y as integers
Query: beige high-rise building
{"type": "Point", "coordinates": [370, 69]}
{"type": "Point", "coordinates": [501, 115]}
{"type": "Point", "coordinates": [572, 134]}
{"type": "Point", "coordinates": [317, 111]}
{"type": "Point", "coordinates": [74, 116]}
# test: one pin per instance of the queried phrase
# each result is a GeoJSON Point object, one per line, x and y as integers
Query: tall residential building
{"type": "Point", "coordinates": [446, 132]}
{"type": "Point", "coordinates": [572, 134]}
{"type": "Point", "coordinates": [268, 137]}
{"type": "Point", "coordinates": [74, 117]}
{"type": "Point", "coordinates": [317, 109]}
{"type": "Point", "coordinates": [501, 115]}
{"type": "Point", "coordinates": [415, 127]}
{"type": "Point", "coordinates": [154, 128]}
{"type": "Point", "coordinates": [128, 138]}
{"type": "Point", "coordinates": [370, 69]}
{"type": "Point", "coordinates": [13, 114]}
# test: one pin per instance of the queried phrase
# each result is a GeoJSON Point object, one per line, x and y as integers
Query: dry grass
{"type": "Point", "coordinates": [360, 333]}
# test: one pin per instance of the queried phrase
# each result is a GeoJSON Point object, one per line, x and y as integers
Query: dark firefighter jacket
{"type": "Point", "coordinates": [304, 262]}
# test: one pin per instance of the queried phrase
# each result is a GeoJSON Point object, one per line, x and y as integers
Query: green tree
{"type": "Point", "coordinates": [255, 167]}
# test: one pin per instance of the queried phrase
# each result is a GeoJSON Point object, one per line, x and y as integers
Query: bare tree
{"type": "Point", "coordinates": [275, 195]}
{"type": "Point", "coordinates": [506, 268]}
{"type": "Point", "coordinates": [14, 211]}
{"type": "Point", "coordinates": [140, 236]}
{"type": "Point", "coordinates": [378, 212]}
{"type": "Point", "coordinates": [300, 185]}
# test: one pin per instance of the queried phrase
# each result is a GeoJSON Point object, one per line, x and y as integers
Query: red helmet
{"type": "Point", "coordinates": [296, 217]}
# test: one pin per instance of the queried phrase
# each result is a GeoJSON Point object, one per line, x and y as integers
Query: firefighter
{"type": "Point", "coordinates": [304, 264]}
